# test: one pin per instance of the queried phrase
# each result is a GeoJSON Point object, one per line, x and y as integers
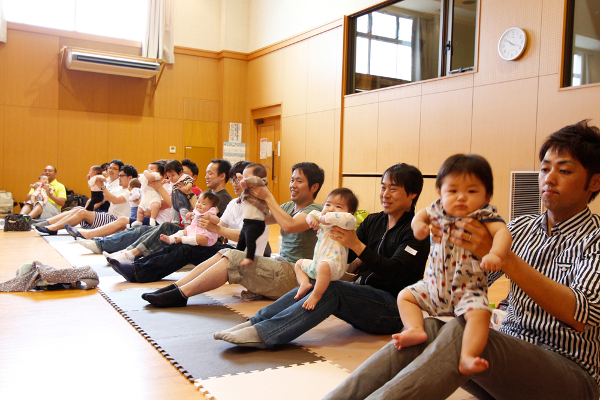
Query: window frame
{"type": "Point", "coordinates": [445, 43]}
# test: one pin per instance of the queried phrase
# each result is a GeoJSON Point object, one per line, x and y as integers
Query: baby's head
{"type": "Point", "coordinates": [340, 200]}
{"type": "Point", "coordinates": [173, 170]}
{"type": "Point", "coordinates": [465, 184]}
{"type": "Point", "coordinates": [255, 169]}
{"type": "Point", "coordinates": [95, 170]}
{"type": "Point", "coordinates": [43, 179]}
{"type": "Point", "coordinates": [157, 166]}
{"type": "Point", "coordinates": [206, 201]}
{"type": "Point", "coordinates": [134, 183]}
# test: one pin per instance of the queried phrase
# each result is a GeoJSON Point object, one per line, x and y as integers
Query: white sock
{"type": "Point", "coordinates": [136, 223]}
{"type": "Point", "coordinates": [246, 337]}
{"type": "Point", "coordinates": [171, 239]}
{"type": "Point", "coordinates": [152, 222]}
{"type": "Point", "coordinates": [123, 256]}
{"type": "Point", "coordinates": [219, 335]}
{"type": "Point", "coordinates": [89, 244]}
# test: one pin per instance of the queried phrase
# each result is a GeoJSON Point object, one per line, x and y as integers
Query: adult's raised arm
{"type": "Point", "coordinates": [277, 215]}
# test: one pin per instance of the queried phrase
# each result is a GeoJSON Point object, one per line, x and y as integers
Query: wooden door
{"type": "Point", "coordinates": [269, 136]}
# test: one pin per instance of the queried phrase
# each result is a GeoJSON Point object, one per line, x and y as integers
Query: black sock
{"type": "Point", "coordinates": [161, 290]}
{"type": "Point", "coordinates": [171, 298]}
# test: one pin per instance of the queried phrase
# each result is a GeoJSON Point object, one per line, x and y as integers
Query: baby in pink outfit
{"type": "Point", "coordinates": [194, 234]}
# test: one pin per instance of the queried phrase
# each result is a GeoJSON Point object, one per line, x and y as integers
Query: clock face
{"type": "Point", "coordinates": [512, 44]}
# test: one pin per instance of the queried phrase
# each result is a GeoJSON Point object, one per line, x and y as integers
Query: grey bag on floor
{"type": "Point", "coordinates": [6, 202]}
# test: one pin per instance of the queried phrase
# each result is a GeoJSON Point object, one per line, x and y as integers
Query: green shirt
{"type": "Point", "coordinates": [295, 246]}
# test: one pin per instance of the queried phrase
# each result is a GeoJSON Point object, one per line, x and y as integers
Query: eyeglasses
{"type": "Point", "coordinates": [122, 175]}
{"type": "Point", "coordinates": [234, 181]}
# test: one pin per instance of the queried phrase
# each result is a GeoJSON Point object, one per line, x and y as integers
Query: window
{"type": "Point", "coordinates": [409, 41]}
{"type": "Point", "coordinates": [113, 18]}
{"type": "Point", "coordinates": [582, 43]}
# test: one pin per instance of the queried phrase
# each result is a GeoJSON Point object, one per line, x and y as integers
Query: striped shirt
{"type": "Point", "coordinates": [570, 256]}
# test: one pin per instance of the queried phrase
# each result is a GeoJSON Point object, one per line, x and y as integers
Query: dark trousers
{"type": "Point", "coordinates": [169, 259]}
{"type": "Point", "coordinates": [97, 197]}
{"type": "Point", "coordinates": [250, 233]}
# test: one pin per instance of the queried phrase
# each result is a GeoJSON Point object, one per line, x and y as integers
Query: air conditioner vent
{"type": "Point", "coordinates": [524, 194]}
{"type": "Point", "coordinates": [111, 63]}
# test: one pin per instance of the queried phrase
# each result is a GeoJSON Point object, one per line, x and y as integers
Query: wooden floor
{"type": "Point", "coordinates": [71, 344]}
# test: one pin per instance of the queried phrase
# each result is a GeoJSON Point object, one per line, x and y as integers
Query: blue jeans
{"type": "Point", "coordinates": [121, 240]}
{"type": "Point", "coordinates": [150, 241]}
{"type": "Point", "coordinates": [364, 307]}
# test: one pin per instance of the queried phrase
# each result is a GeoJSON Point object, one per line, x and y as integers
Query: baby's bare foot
{"type": "Point", "coordinates": [472, 365]}
{"type": "Point", "coordinates": [409, 337]}
{"type": "Point", "coordinates": [302, 290]}
{"type": "Point", "coordinates": [246, 261]}
{"type": "Point", "coordinates": [312, 301]}
{"type": "Point", "coordinates": [165, 239]}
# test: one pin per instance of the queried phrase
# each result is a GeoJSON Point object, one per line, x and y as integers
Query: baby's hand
{"type": "Point", "coordinates": [491, 262]}
{"type": "Point", "coordinates": [420, 230]}
{"type": "Point", "coordinates": [312, 222]}
{"type": "Point", "coordinates": [240, 179]}
{"type": "Point", "coordinates": [323, 220]}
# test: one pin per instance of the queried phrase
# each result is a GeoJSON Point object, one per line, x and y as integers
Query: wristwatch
{"type": "Point", "coordinates": [103, 187]}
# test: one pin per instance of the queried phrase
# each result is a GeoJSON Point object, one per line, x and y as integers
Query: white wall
{"type": "Point", "coordinates": [235, 22]}
{"type": "Point", "coordinates": [198, 24]}
{"type": "Point", "coordinates": [274, 20]}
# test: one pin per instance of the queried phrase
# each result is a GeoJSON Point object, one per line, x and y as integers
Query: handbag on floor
{"type": "Point", "coordinates": [6, 202]}
{"type": "Point", "coordinates": [17, 223]}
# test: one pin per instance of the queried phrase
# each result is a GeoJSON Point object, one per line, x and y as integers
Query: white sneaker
{"type": "Point", "coordinates": [122, 256]}
{"type": "Point", "coordinates": [89, 244]}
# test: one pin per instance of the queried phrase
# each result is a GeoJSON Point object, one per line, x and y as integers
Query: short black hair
{"type": "Point", "coordinates": [115, 161]}
{"type": "Point", "coordinates": [407, 176]}
{"type": "Point", "coordinates": [174, 165]}
{"type": "Point", "coordinates": [258, 170]}
{"type": "Point", "coordinates": [210, 196]}
{"type": "Point", "coordinates": [160, 164]}
{"type": "Point", "coordinates": [238, 168]}
{"type": "Point", "coordinates": [313, 173]}
{"type": "Point", "coordinates": [348, 196]}
{"type": "Point", "coordinates": [186, 162]}
{"type": "Point", "coordinates": [582, 142]}
{"type": "Point", "coordinates": [467, 164]}
{"type": "Point", "coordinates": [105, 166]}
{"type": "Point", "coordinates": [224, 166]}
{"type": "Point", "coordinates": [129, 170]}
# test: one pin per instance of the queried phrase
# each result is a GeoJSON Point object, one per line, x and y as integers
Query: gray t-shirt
{"type": "Point", "coordinates": [224, 199]}
{"type": "Point", "coordinates": [295, 246]}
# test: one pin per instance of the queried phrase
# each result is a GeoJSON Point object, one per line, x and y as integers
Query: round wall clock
{"type": "Point", "coordinates": [512, 44]}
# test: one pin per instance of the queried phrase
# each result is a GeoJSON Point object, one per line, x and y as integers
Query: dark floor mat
{"type": "Point", "coordinates": [184, 335]}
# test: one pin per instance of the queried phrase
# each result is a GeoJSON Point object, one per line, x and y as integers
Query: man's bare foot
{"type": "Point", "coordinates": [165, 239]}
{"type": "Point", "coordinates": [409, 337]}
{"type": "Point", "coordinates": [472, 365]}
{"type": "Point", "coordinates": [246, 261]}
{"type": "Point", "coordinates": [302, 290]}
{"type": "Point", "coordinates": [312, 301]}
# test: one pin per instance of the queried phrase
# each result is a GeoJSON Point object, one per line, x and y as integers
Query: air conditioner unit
{"type": "Point", "coordinates": [524, 194]}
{"type": "Point", "coordinates": [106, 63]}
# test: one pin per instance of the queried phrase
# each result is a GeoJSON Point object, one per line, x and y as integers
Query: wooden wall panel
{"type": "Point", "coordinates": [401, 92]}
{"type": "Point", "coordinates": [201, 110]}
{"type": "Point", "coordinates": [367, 191]}
{"type": "Point", "coordinates": [235, 91]}
{"type": "Point", "coordinates": [2, 181]}
{"type": "Point", "coordinates": [497, 17]}
{"type": "Point", "coordinates": [448, 84]}
{"type": "Point", "coordinates": [29, 70]}
{"type": "Point", "coordinates": [551, 36]}
{"type": "Point", "coordinates": [504, 125]}
{"type": "Point", "coordinates": [322, 71]}
{"type": "Point", "coordinates": [337, 142]}
{"type": "Point", "coordinates": [190, 77]}
{"type": "Point", "coordinates": [445, 127]}
{"type": "Point", "coordinates": [293, 149]}
{"type": "Point", "coordinates": [131, 139]}
{"type": "Point", "coordinates": [30, 143]}
{"type": "Point", "coordinates": [84, 91]}
{"type": "Point", "coordinates": [168, 132]}
{"type": "Point", "coordinates": [320, 139]}
{"type": "Point", "coordinates": [339, 68]}
{"type": "Point", "coordinates": [295, 79]}
{"type": "Point", "coordinates": [200, 134]}
{"type": "Point", "coordinates": [131, 96]}
{"type": "Point", "coordinates": [428, 194]}
{"type": "Point", "coordinates": [85, 136]}
{"type": "Point", "coordinates": [265, 78]}
{"type": "Point", "coordinates": [360, 139]}
{"type": "Point", "coordinates": [557, 109]}
{"type": "Point", "coordinates": [398, 132]}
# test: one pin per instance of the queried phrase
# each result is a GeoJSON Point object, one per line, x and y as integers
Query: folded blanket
{"type": "Point", "coordinates": [36, 274]}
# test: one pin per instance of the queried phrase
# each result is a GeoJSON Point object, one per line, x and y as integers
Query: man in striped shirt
{"type": "Point", "coordinates": [548, 345]}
